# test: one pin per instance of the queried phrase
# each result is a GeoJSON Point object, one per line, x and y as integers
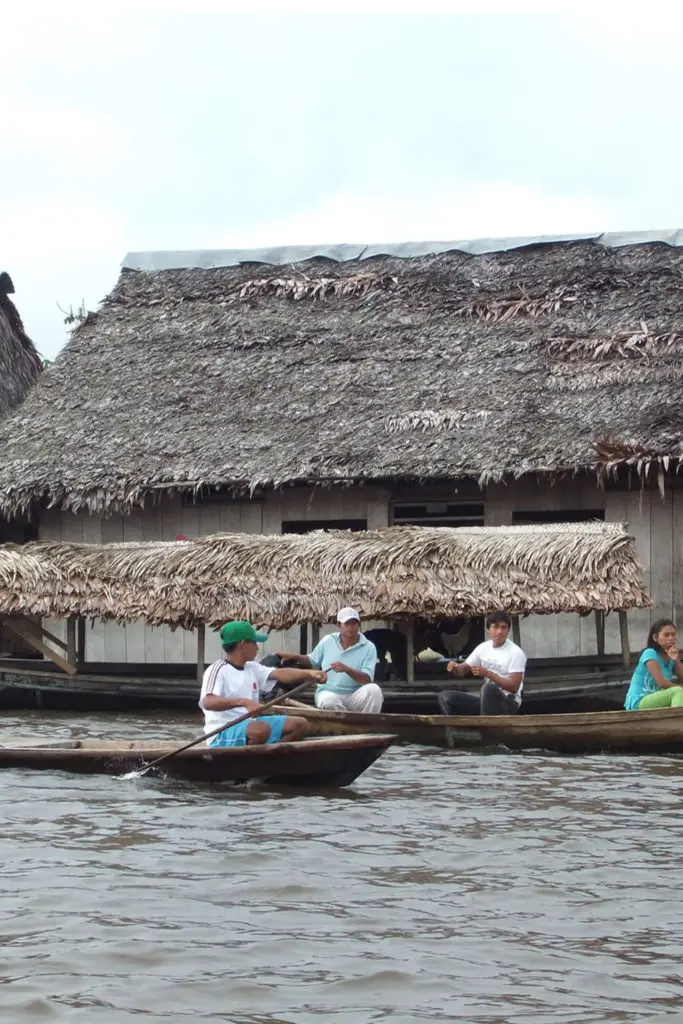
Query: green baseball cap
{"type": "Point", "coordinates": [233, 632]}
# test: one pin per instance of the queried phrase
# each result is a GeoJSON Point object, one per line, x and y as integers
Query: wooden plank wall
{"type": "Point", "coordinates": [547, 636]}
{"type": "Point", "coordinates": [653, 521]}
{"type": "Point", "coordinates": [136, 642]}
{"type": "Point", "coordinates": [370, 503]}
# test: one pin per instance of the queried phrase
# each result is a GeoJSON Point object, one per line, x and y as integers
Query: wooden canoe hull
{"type": "Point", "coordinates": [29, 684]}
{"type": "Point", "coordinates": [592, 732]}
{"type": "Point", "coordinates": [327, 762]}
{"type": "Point", "coordinates": [427, 730]}
{"type": "Point", "coordinates": [631, 732]}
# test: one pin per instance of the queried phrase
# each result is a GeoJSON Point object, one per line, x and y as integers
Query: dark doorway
{"type": "Point", "coordinates": [306, 525]}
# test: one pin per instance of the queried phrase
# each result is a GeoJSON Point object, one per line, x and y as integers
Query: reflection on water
{"type": "Point", "coordinates": [442, 886]}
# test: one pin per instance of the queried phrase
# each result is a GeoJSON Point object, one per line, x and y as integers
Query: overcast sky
{"type": "Point", "coordinates": [215, 131]}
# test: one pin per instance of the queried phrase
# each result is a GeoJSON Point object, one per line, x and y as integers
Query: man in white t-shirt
{"type": "Point", "coordinates": [500, 663]}
{"type": "Point", "coordinates": [234, 685]}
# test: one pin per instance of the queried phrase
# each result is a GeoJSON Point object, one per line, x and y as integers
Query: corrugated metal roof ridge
{"type": "Point", "coordinates": [207, 259]}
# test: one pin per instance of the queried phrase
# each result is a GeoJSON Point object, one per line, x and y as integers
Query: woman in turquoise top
{"type": "Point", "coordinates": [657, 677]}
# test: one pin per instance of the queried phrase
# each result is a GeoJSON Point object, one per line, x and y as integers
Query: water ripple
{"type": "Point", "coordinates": [492, 889]}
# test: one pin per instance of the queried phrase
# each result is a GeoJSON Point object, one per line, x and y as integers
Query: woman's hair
{"type": "Point", "coordinates": [501, 617]}
{"type": "Point", "coordinates": [656, 628]}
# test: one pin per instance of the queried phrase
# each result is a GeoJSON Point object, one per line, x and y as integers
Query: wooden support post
{"type": "Point", "coordinates": [201, 646]}
{"type": "Point", "coordinates": [625, 646]}
{"type": "Point", "coordinates": [18, 626]}
{"type": "Point", "coordinates": [303, 638]}
{"type": "Point", "coordinates": [80, 641]}
{"type": "Point", "coordinates": [315, 634]}
{"type": "Point", "coordinates": [71, 654]}
{"type": "Point", "coordinates": [410, 651]}
{"type": "Point", "coordinates": [600, 631]}
{"type": "Point", "coordinates": [515, 630]}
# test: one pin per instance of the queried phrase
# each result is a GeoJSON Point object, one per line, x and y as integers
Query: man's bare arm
{"type": "Point", "coordinates": [300, 660]}
{"type": "Point", "coordinates": [298, 675]}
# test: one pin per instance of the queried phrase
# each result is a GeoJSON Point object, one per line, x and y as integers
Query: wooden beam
{"type": "Point", "coordinates": [410, 651]}
{"type": "Point", "coordinates": [625, 646]}
{"type": "Point", "coordinates": [53, 639]}
{"type": "Point", "coordinates": [18, 626]}
{"type": "Point", "coordinates": [515, 630]}
{"type": "Point", "coordinates": [80, 642]}
{"type": "Point", "coordinates": [71, 654]}
{"type": "Point", "coordinates": [315, 634]}
{"type": "Point", "coordinates": [303, 638]}
{"type": "Point", "coordinates": [201, 646]}
{"type": "Point", "coordinates": [600, 631]}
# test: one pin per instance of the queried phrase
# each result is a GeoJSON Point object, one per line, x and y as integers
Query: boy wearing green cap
{"type": "Point", "coordinates": [232, 686]}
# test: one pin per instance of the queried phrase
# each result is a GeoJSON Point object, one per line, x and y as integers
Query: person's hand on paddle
{"type": "Point", "coordinates": [452, 667]}
{"type": "Point", "coordinates": [317, 676]}
{"type": "Point", "coordinates": [338, 666]}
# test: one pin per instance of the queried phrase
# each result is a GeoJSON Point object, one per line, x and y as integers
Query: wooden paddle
{"type": "Point", "coordinates": [205, 736]}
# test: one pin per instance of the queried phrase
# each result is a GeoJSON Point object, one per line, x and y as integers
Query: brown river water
{"type": "Point", "coordinates": [442, 886]}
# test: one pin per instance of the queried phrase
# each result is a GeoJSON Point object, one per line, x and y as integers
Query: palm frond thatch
{"type": "Point", "coordinates": [304, 287]}
{"type": "Point", "coordinates": [433, 420]}
{"type": "Point", "coordinates": [500, 309]}
{"type": "Point", "coordinates": [641, 344]}
{"type": "Point", "coordinates": [199, 378]}
{"type": "Point", "coordinates": [20, 363]}
{"type": "Point", "coordinates": [284, 579]}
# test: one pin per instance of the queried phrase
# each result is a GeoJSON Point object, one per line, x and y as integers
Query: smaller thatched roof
{"type": "Point", "coordinates": [20, 363]}
{"type": "Point", "coordinates": [282, 580]}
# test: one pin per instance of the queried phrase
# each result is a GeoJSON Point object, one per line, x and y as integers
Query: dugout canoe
{"type": "Point", "coordinates": [323, 762]}
{"type": "Point", "coordinates": [589, 732]}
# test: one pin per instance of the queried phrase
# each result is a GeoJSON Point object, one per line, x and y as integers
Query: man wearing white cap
{"type": "Point", "coordinates": [349, 659]}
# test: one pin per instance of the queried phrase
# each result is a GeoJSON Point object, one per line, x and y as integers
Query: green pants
{"type": "Point", "coordinates": [671, 697]}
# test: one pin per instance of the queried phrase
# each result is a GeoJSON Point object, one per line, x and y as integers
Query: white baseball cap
{"type": "Point", "coordinates": [346, 614]}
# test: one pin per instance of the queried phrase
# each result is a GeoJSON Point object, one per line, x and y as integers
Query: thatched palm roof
{"type": "Point", "coordinates": [20, 364]}
{"type": "Point", "coordinates": [284, 579]}
{"type": "Point", "coordinates": [545, 358]}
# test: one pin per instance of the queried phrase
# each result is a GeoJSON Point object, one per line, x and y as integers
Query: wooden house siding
{"type": "Point", "coordinates": [138, 643]}
{"type": "Point", "coordinates": [654, 521]}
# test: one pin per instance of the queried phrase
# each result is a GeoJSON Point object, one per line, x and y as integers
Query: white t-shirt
{"type": "Point", "coordinates": [503, 660]}
{"type": "Point", "coordinates": [224, 680]}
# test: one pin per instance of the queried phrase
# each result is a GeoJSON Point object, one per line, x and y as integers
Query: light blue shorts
{"type": "Point", "coordinates": [236, 736]}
